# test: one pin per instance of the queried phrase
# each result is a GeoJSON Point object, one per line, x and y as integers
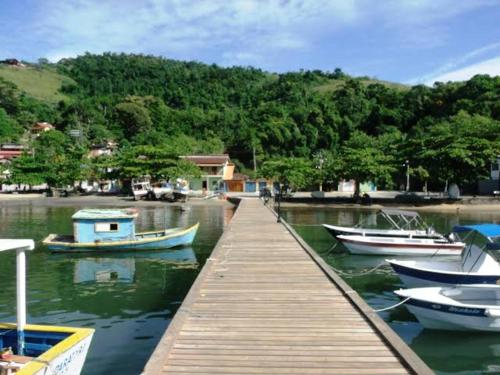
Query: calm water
{"type": "Point", "coordinates": [128, 298]}
{"type": "Point", "coordinates": [445, 352]}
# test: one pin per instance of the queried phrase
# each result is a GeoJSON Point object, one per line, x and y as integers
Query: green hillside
{"type": "Point", "coordinates": [336, 84]}
{"type": "Point", "coordinates": [40, 83]}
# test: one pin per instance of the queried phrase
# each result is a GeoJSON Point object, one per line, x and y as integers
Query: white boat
{"type": "Point", "coordinates": [479, 262]}
{"type": "Point", "coordinates": [462, 307]}
{"type": "Point", "coordinates": [402, 224]}
{"type": "Point", "coordinates": [38, 349]}
{"type": "Point", "coordinates": [357, 244]}
{"type": "Point", "coordinates": [143, 189]}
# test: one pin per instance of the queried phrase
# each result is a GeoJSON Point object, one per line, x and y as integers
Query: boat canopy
{"type": "Point", "coordinates": [393, 212]}
{"type": "Point", "coordinates": [99, 214]}
{"type": "Point", "coordinates": [487, 230]}
{"type": "Point", "coordinates": [404, 220]}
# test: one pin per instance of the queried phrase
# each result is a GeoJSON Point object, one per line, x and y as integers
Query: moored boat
{"type": "Point", "coordinates": [401, 224]}
{"type": "Point", "coordinates": [38, 349]}
{"type": "Point", "coordinates": [479, 262]}
{"type": "Point", "coordinates": [368, 245]}
{"type": "Point", "coordinates": [462, 307]}
{"type": "Point", "coordinates": [107, 230]}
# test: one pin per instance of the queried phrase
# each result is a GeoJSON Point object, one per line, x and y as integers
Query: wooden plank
{"type": "Point", "coordinates": [263, 304]}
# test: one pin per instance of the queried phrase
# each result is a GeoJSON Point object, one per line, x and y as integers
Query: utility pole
{"type": "Point", "coordinates": [254, 159]}
{"type": "Point", "coordinates": [407, 175]}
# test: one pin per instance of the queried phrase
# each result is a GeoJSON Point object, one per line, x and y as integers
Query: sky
{"type": "Point", "coordinates": [407, 41]}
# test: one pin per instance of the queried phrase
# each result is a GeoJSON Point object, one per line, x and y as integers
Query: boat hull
{"type": "Point", "coordinates": [67, 356]}
{"type": "Point", "coordinates": [435, 311]}
{"type": "Point", "coordinates": [335, 231]}
{"type": "Point", "coordinates": [414, 277]}
{"type": "Point", "coordinates": [143, 241]}
{"type": "Point", "coordinates": [367, 246]}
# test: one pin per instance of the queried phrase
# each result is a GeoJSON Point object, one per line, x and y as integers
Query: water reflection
{"type": "Point", "coordinates": [120, 267]}
{"type": "Point", "coordinates": [445, 352]}
{"type": "Point", "coordinates": [129, 298]}
{"type": "Point", "coordinates": [104, 270]}
{"type": "Point", "coordinates": [458, 352]}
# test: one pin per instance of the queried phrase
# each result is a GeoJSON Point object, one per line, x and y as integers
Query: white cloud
{"type": "Point", "coordinates": [239, 32]}
{"type": "Point", "coordinates": [474, 61]}
{"type": "Point", "coordinates": [490, 66]}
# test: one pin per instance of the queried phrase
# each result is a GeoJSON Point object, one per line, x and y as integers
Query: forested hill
{"type": "Point", "coordinates": [147, 100]}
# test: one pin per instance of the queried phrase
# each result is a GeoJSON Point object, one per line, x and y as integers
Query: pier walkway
{"type": "Point", "coordinates": [265, 303]}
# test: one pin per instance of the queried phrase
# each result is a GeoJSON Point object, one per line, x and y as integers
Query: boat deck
{"type": "Point", "coordinates": [266, 303]}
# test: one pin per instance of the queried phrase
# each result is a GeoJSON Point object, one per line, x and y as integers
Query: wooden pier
{"type": "Point", "coordinates": [266, 303]}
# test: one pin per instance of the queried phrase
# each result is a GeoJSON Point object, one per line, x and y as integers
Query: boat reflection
{"type": "Point", "coordinates": [120, 267]}
{"type": "Point", "coordinates": [459, 352]}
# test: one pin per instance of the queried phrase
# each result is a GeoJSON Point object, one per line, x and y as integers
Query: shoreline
{"type": "Point", "coordinates": [123, 201]}
{"type": "Point", "coordinates": [11, 200]}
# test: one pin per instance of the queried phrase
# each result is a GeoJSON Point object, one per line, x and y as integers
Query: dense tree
{"type": "Point", "coordinates": [161, 108]}
{"type": "Point", "coordinates": [364, 160]}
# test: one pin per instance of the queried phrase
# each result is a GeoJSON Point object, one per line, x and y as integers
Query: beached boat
{"type": "Point", "coordinates": [38, 349]}
{"type": "Point", "coordinates": [479, 262]}
{"type": "Point", "coordinates": [107, 230]}
{"type": "Point", "coordinates": [401, 224]}
{"type": "Point", "coordinates": [143, 189]}
{"type": "Point", "coordinates": [462, 307]}
{"type": "Point", "coordinates": [357, 244]}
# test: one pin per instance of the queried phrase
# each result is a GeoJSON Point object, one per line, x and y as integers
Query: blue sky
{"type": "Point", "coordinates": [409, 41]}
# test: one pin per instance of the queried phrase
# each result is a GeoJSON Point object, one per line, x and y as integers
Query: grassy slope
{"type": "Point", "coordinates": [42, 84]}
{"type": "Point", "coordinates": [334, 85]}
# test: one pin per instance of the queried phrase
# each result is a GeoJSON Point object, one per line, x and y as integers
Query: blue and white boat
{"type": "Point", "coordinates": [458, 308]}
{"type": "Point", "coordinates": [28, 349]}
{"type": "Point", "coordinates": [112, 229]}
{"type": "Point", "coordinates": [479, 262]}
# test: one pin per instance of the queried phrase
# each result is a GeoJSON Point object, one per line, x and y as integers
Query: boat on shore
{"type": "Point", "coordinates": [112, 229]}
{"type": "Point", "coordinates": [143, 189]}
{"type": "Point", "coordinates": [377, 245]}
{"type": "Point", "coordinates": [458, 308]}
{"type": "Point", "coordinates": [478, 264]}
{"type": "Point", "coordinates": [402, 224]}
{"type": "Point", "coordinates": [38, 349]}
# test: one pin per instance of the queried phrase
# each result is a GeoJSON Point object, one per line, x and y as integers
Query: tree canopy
{"type": "Point", "coordinates": [158, 109]}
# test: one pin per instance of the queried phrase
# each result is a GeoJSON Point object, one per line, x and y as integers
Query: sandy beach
{"type": "Point", "coordinates": [96, 201]}
{"type": "Point", "coordinates": [469, 205]}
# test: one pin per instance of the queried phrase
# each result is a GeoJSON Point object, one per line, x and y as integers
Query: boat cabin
{"type": "Point", "coordinates": [104, 225]}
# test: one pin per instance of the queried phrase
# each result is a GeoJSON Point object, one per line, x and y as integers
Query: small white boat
{"type": "Point", "coordinates": [479, 262]}
{"type": "Point", "coordinates": [402, 224]}
{"type": "Point", "coordinates": [368, 245]}
{"type": "Point", "coordinates": [38, 349]}
{"type": "Point", "coordinates": [463, 307]}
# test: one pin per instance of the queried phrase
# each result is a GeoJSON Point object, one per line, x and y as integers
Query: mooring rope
{"type": "Point", "coordinates": [340, 272]}
{"type": "Point", "coordinates": [393, 306]}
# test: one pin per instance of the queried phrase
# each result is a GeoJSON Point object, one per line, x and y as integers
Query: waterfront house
{"type": "Point", "coordinates": [215, 169]}
{"type": "Point", "coordinates": [492, 185]}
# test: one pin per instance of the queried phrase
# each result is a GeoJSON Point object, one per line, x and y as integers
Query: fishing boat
{"type": "Point", "coordinates": [28, 349]}
{"type": "Point", "coordinates": [401, 224]}
{"type": "Point", "coordinates": [112, 229]}
{"type": "Point", "coordinates": [462, 307]}
{"type": "Point", "coordinates": [357, 244]}
{"type": "Point", "coordinates": [479, 262]}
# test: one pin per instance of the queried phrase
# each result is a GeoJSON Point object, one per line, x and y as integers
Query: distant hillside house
{"type": "Point", "coordinates": [214, 169]}
{"type": "Point", "coordinates": [11, 147]}
{"type": "Point", "coordinates": [7, 155]}
{"type": "Point", "coordinates": [102, 149]}
{"type": "Point", "coordinates": [41, 127]}
{"type": "Point", "coordinates": [12, 62]}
